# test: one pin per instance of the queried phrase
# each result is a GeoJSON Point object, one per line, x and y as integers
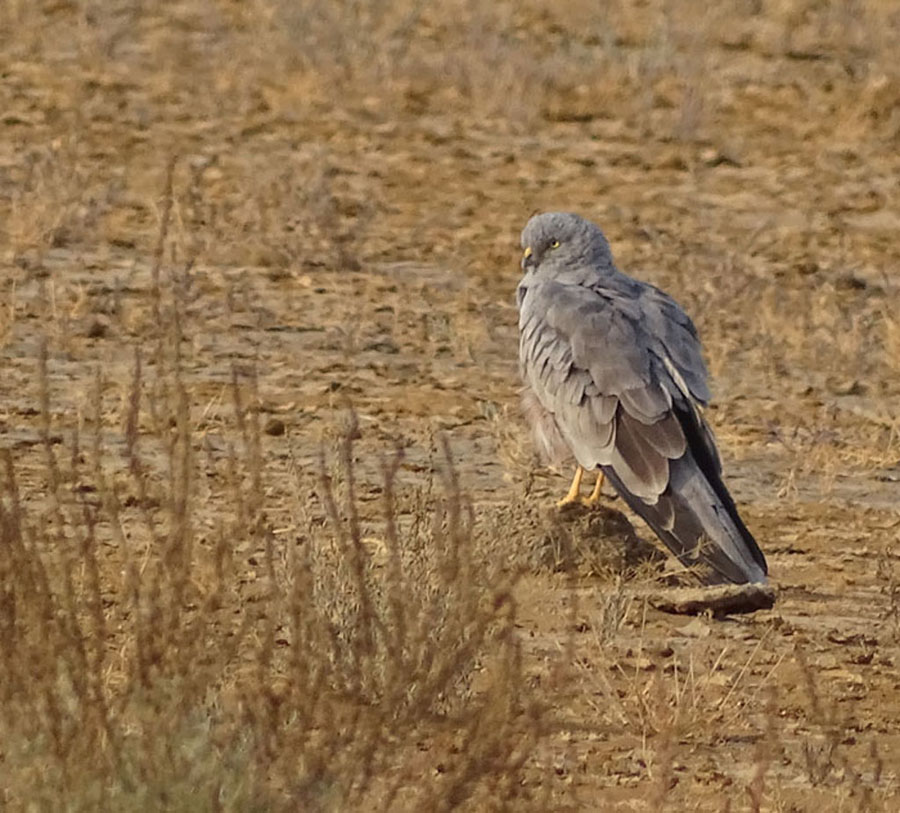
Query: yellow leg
{"type": "Point", "coordinates": [595, 494]}
{"type": "Point", "coordinates": [574, 489]}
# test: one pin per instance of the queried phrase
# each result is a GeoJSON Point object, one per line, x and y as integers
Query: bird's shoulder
{"type": "Point", "coordinates": [623, 332]}
{"type": "Point", "coordinates": [587, 335]}
{"type": "Point", "coordinates": [568, 308]}
{"type": "Point", "coordinates": [663, 308]}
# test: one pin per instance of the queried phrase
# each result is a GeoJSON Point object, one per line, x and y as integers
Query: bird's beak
{"type": "Point", "coordinates": [528, 259]}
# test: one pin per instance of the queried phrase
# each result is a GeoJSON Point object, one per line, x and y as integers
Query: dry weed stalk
{"type": "Point", "coordinates": [826, 762]}
{"type": "Point", "coordinates": [153, 660]}
{"type": "Point", "coordinates": [140, 669]}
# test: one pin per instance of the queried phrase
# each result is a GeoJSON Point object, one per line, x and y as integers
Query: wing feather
{"type": "Point", "coordinates": [648, 404]}
{"type": "Point", "coordinates": [643, 470]}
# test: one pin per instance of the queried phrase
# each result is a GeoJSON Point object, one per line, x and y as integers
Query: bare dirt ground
{"type": "Point", "coordinates": [347, 189]}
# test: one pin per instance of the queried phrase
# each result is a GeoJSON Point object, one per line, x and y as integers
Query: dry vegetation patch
{"type": "Point", "coordinates": [272, 534]}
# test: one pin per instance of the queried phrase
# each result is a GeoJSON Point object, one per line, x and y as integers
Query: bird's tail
{"type": "Point", "coordinates": [725, 543]}
{"type": "Point", "coordinates": [699, 523]}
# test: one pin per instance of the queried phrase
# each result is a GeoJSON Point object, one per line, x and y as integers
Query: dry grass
{"type": "Point", "coordinates": [272, 536]}
{"type": "Point", "coordinates": [149, 665]}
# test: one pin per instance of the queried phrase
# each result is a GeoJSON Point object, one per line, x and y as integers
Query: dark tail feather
{"type": "Point", "coordinates": [702, 446]}
{"type": "Point", "coordinates": [697, 520]}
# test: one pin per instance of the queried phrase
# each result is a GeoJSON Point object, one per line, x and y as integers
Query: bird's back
{"type": "Point", "coordinates": [614, 375]}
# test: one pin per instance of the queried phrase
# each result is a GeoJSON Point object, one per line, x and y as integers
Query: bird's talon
{"type": "Point", "coordinates": [565, 501]}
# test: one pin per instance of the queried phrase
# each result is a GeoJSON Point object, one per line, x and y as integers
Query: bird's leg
{"type": "Point", "coordinates": [574, 489]}
{"type": "Point", "coordinates": [595, 494]}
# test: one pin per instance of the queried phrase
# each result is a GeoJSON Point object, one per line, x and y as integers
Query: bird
{"type": "Point", "coordinates": [614, 377]}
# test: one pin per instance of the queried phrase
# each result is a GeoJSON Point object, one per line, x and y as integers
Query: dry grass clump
{"type": "Point", "coordinates": [292, 217]}
{"type": "Point", "coordinates": [53, 205]}
{"type": "Point", "coordinates": [149, 662]}
{"type": "Point", "coordinates": [520, 62]}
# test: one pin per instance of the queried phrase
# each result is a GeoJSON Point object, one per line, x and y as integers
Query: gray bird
{"type": "Point", "coordinates": [614, 377]}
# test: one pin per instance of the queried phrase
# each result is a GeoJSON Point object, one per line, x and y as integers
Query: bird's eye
{"type": "Point", "coordinates": [554, 244]}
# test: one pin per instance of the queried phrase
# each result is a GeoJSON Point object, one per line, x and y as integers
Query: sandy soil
{"type": "Point", "coordinates": [364, 251]}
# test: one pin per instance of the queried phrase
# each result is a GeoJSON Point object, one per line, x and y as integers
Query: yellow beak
{"type": "Point", "coordinates": [526, 259]}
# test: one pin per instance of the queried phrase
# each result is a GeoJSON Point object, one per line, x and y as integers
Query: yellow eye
{"type": "Point", "coordinates": [554, 244]}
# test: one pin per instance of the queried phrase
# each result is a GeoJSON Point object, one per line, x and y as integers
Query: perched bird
{"type": "Point", "coordinates": [614, 378]}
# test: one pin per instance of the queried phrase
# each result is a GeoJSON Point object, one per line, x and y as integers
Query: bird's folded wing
{"type": "Point", "coordinates": [623, 377]}
{"type": "Point", "coordinates": [592, 362]}
{"type": "Point", "coordinates": [664, 319]}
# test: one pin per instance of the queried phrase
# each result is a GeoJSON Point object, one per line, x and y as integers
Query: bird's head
{"type": "Point", "coordinates": [557, 244]}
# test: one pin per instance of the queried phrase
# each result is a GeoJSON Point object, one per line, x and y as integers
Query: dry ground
{"type": "Point", "coordinates": [227, 223]}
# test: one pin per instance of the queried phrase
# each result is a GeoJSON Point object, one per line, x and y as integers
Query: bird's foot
{"type": "Point", "coordinates": [594, 497]}
{"type": "Point", "coordinates": [574, 495]}
{"type": "Point", "coordinates": [571, 499]}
